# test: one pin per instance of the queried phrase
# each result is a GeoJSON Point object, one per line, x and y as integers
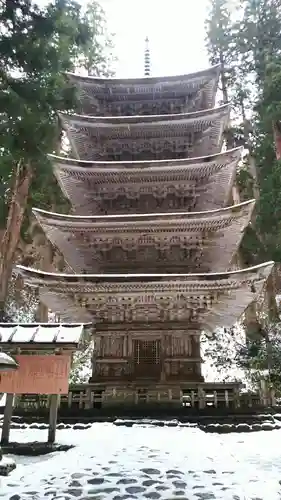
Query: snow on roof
{"type": "Point", "coordinates": [41, 333]}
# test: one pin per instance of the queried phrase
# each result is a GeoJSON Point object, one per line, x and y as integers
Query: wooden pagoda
{"type": "Point", "coordinates": [150, 248]}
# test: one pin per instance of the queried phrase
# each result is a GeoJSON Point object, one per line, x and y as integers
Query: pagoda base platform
{"type": "Point", "coordinates": [158, 400]}
{"type": "Point", "coordinates": [196, 394]}
{"type": "Point", "coordinates": [177, 395]}
{"type": "Point", "coordinates": [193, 400]}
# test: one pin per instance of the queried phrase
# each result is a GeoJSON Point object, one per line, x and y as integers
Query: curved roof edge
{"type": "Point", "coordinates": [28, 272]}
{"type": "Point", "coordinates": [56, 217]}
{"type": "Point", "coordinates": [72, 162]}
{"type": "Point", "coordinates": [143, 80]}
{"type": "Point", "coordinates": [140, 119]}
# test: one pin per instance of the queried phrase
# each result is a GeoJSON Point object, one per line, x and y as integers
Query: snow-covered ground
{"type": "Point", "coordinates": [121, 463]}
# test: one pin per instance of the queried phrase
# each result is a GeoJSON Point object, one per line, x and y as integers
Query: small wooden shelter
{"type": "Point", "coordinates": [43, 352]}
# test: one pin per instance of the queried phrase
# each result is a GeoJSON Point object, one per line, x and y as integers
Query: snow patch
{"type": "Point", "coordinates": [149, 462]}
{"type": "Point", "coordinates": [7, 465]}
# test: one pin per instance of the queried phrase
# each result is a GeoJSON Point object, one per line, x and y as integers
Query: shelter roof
{"type": "Point", "coordinates": [36, 334]}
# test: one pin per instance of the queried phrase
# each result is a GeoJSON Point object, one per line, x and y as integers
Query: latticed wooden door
{"type": "Point", "coordinates": [147, 358]}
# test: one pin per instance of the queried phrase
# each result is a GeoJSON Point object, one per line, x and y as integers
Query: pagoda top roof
{"type": "Point", "coordinates": [144, 165]}
{"type": "Point", "coordinates": [54, 217]}
{"type": "Point", "coordinates": [33, 275]}
{"type": "Point", "coordinates": [150, 80]}
{"type": "Point", "coordinates": [138, 120]}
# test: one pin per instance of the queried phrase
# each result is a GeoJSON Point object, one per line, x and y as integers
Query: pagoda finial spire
{"type": "Point", "coordinates": [147, 58]}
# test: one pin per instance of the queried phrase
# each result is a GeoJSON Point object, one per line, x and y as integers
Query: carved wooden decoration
{"type": "Point", "coordinates": [153, 96]}
{"type": "Point", "coordinates": [189, 184]}
{"type": "Point", "coordinates": [171, 242]}
{"type": "Point", "coordinates": [148, 137]}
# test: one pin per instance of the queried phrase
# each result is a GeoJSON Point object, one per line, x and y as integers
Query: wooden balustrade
{"type": "Point", "coordinates": [201, 397]}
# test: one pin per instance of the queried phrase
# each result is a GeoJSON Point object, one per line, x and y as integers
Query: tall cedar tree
{"type": "Point", "coordinates": [254, 33]}
{"type": "Point", "coordinates": [37, 45]}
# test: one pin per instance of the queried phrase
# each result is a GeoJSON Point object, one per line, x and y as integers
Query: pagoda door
{"type": "Point", "coordinates": [147, 358]}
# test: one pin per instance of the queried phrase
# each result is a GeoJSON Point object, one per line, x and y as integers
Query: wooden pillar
{"type": "Point", "coordinates": [130, 346]}
{"type": "Point", "coordinates": [97, 352]}
{"type": "Point", "coordinates": [125, 346]}
{"type": "Point", "coordinates": [196, 353]}
{"type": "Point", "coordinates": [164, 344]}
{"type": "Point", "coordinates": [53, 416]}
{"type": "Point", "coordinates": [8, 412]}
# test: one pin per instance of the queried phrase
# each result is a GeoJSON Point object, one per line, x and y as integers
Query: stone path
{"type": "Point", "coordinates": [119, 463]}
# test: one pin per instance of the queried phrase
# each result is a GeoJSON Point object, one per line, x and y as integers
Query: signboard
{"type": "Point", "coordinates": [37, 375]}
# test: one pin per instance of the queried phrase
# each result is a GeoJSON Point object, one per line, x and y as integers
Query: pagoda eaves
{"type": "Point", "coordinates": [147, 137]}
{"type": "Point", "coordinates": [172, 242]}
{"type": "Point", "coordinates": [153, 95]}
{"type": "Point", "coordinates": [129, 309]}
{"type": "Point", "coordinates": [123, 84]}
{"type": "Point", "coordinates": [204, 300]}
{"type": "Point", "coordinates": [197, 184]}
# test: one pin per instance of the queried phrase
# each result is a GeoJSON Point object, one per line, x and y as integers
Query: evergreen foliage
{"type": "Point", "coordinates": [252, 66]}
{"type": "Point", "coordinates": [252, 73]}
{"type": "Point", "coordinates": [37, 46]}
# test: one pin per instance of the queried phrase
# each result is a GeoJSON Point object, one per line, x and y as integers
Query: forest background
{"type": "Point", "coordinates": [39, 44]}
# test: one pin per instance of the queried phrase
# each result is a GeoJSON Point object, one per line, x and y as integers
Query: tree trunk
{"type": "Point", "coordinates": [247, 127]}
{"type": "Point", "coordinates": [273, 317]}
{"type": "Point", "coordinates": [276, 126]}
{"type": "Point", "coordinates": [224, 88]}
{"type": "Point", "coordinates": [270, 295]}
{"type": "Point", "coordinates": [251, 322]}
{"type": "Point", "coordinates": [10, 240]}
{"type": "Point", "coordinates": [42, 313]}
{"type": "Point", "coordinates": [269, 352]}
{"type": "Point", "coordinates": [253, 172]}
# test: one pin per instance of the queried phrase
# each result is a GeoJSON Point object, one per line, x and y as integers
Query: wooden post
{"type": "Point", "coordinates": [263, 392]}
{"type": "Point", "coordinates": [236, 398]}
{"type": "Point", "coordinates": [88, 404]}
{"type": "Point", "coordinates": [226, 398]}
{"type": "Point", "coordinates": [53, 416]}
{"type": "Point", "coordinates": [201, 398]}
{"type": "Point", "coordinates": [272, 397]}
{"type": "Point", "coordinates": [8, 412]}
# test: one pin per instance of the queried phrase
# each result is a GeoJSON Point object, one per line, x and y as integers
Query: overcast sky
{"type": "Point", "coordinates": [175, 29]}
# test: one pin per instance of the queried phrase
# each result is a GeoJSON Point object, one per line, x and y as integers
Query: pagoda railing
{"type": "Point", "coordinates": [87, 396]}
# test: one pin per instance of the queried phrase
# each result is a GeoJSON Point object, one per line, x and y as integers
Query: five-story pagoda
{"type": "Point", "coordinates": [150, 249]}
